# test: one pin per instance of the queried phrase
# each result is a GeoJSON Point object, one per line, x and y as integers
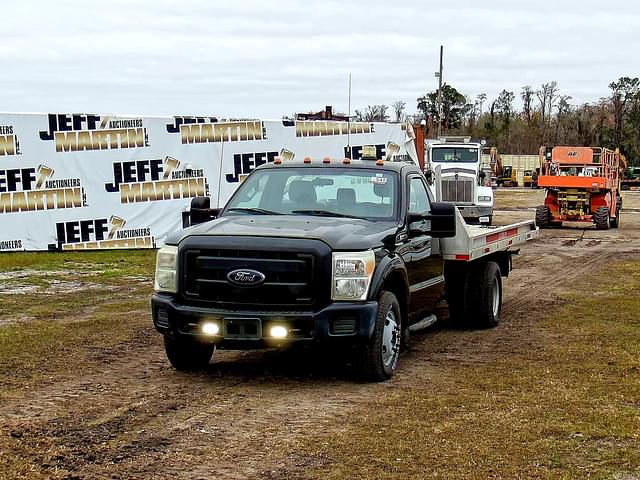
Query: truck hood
{"type": "Point", "coordinates": [338, 233]}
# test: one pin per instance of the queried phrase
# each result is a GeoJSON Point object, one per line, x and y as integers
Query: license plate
{"type": "Point", "coordinates": [242, 328]}
{"type": "Point", "coordinates": [484, 219]}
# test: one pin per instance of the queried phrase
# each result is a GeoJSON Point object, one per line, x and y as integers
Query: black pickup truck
{"type": "Point", "coordinates": [347, 252]}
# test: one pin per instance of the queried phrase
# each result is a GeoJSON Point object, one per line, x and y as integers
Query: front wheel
{"type": "Point", "coordinates": [186, 354]}
{"type": "Point", "coordinates": [602, 219]}
{"type": "Point", "coordinates": [379, 357]}
{"type": "Point", "coordinates": [543, 216]}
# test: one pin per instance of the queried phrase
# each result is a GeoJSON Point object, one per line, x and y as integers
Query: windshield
{"type": "Point", "coordinates": [334, 192]}
{"type": "Point", "coordinates": [454, 154]}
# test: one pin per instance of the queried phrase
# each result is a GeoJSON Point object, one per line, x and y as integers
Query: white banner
{"type": "Point", "coordinates": [84, 181]}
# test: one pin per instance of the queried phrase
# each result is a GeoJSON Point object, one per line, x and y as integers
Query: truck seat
{"type": "Point", "coordinates": [346, 200]}
{"type": "Point", "coordinates": [303, 194]}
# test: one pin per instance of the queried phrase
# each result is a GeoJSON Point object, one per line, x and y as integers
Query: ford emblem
{"type": "Point", "coordinates": [245, 277]}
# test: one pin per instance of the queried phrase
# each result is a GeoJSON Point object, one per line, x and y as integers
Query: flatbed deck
{"type": "Point", "coordinates": [474, 241]}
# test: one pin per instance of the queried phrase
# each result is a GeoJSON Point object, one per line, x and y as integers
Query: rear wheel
{"type": "Point", "coordinates": [615, 221]}
{"type": "Point", "coordinates": [474, 294]}
{"type": "Point", "coordinates": [543, 216]}
{"type": "Point", "coordinates": [486, 297]}
{"type": "Point", "coordinates": [379, 357]}
{"type": "Point", "coordinates": [602, 219]}
{"type": "Point", "coordinates": [456, 276]}
{"type": "Point", "coordinates": [186, 354]}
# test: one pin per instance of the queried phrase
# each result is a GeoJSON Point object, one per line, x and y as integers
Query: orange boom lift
{"type": "Point", "coordinates": [582, 185]}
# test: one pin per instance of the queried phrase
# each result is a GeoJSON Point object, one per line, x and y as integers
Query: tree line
{"type": "Point", "coordinates": [545, 116]}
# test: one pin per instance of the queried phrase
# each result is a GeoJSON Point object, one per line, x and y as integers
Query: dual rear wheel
{"type": "Point", "coordinates": [474, 294]}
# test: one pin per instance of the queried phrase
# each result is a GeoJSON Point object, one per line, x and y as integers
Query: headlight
{"type": "Point", "coordinates": [166, 269]}
{"type": "Point", "coordinates": [352, 272]}
{"type": "Point", "coordinates": [483, 198]}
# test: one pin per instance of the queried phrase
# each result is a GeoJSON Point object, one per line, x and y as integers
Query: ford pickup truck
{"type": "Point", "coordinates": [352, 253]}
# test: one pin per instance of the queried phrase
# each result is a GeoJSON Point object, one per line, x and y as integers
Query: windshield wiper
{"type": "Point", "coordinates": [323, 213]}
{"type": "Point", "coordinates": [260, 211]}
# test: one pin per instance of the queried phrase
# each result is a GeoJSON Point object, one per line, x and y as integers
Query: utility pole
{"type": "Point", "coordinates": [439, 75]}
{"type": "Point", "coordinates": [349, 123]}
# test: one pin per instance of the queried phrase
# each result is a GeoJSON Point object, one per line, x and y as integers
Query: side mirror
{"type": "Point", "coordinates": [439, 223]}
{"type": "Point", "coordinates": [201, 211]}
{"type": "Point", "coordinates": [428, 175]}
{"type": "Point", "coordinates": [443, 219]}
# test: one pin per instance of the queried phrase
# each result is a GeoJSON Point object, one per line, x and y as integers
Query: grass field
{"type": "Point", "coordinates": [565, 404]}
{"type": "Point", "coordinates": [56, 309]}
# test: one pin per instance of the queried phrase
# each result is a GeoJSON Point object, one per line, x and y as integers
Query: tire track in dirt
{"type": "Point", "coordinates": [240, 419]}
{"type": "Point", "coordinates": [141, 408]}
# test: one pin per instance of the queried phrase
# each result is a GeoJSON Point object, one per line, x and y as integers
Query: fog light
{"type": "Point", "coordinates": [210, 328]}
{"type": "Point", "coordinates": [279, 332]}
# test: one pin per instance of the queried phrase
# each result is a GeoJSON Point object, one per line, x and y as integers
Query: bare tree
{"type": "Point", "coordinates": [373, 113]}
{"type": "Point", "coordinates": [480, 100]}
{"type": "Point", "coordinates": [564, 107]}
{"type": "Point", "coordinates": [547, 96]}
{"type": "Point", "coordinates": [527, 102]}
{"type": "Point", "coordinates": [504, 106]}
{"type": "Point", "coordinates": [398, 109]}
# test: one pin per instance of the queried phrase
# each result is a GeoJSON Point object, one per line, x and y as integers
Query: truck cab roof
{"type": "Point", "coordinates": [400, 167]}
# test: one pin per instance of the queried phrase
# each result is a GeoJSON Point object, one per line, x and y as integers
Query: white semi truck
{"type": "Point", "coordinates": [454, 163]}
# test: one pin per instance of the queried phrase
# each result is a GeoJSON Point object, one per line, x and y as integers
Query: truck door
{"type": "Point", "coordinates": [425, 268]}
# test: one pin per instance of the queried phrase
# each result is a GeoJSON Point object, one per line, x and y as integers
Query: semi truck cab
{"type": "Point", "coordinates": [461, 179]}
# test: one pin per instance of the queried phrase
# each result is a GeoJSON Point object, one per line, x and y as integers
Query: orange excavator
{"type": "Point", "coordinates": [582, 185]}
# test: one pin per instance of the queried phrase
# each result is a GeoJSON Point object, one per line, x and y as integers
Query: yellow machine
{"type": "Point", "coordinates": [504, 175]}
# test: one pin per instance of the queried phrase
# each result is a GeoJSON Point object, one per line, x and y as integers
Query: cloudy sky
{"type": "Point", "coordinates": [257, 58]}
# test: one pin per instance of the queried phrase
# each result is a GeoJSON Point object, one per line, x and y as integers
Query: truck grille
{"type": "Point", "coordinates": [460, 190]}
{"type": "Point", "coordinates": [289, 278]}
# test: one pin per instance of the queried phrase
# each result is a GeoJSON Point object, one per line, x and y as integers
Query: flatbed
{"type": "Point", "coordinates": [474, 241]}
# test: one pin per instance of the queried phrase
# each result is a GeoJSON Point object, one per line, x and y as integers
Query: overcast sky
{"type": "Point", "coordinates": [254, 58]}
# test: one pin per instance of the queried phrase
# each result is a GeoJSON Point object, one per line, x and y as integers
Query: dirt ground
{"type": "Point", "coordinates": [93, 405]}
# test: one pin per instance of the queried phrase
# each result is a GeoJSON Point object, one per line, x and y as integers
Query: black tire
{"type": "Point", "coordinates": [470, 293]}
{"type": "Point", "coordinates": [378, 359]}
{"type": "Point", "coordinates": [186, 354]}
{"type": "Point", "coordinates": [457, 293]}
{"type": "Point", "coordinates": [543, 216]}
{"type": "Point", "coordinates": [614, 222]}
{"type": "Point", "coordinates": [602, 219]}
{"type": "Point", "coordinates": [485, 298]}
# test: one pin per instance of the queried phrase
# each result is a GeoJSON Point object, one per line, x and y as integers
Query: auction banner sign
{"type": "Point", "coordinates": [73, 181]}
